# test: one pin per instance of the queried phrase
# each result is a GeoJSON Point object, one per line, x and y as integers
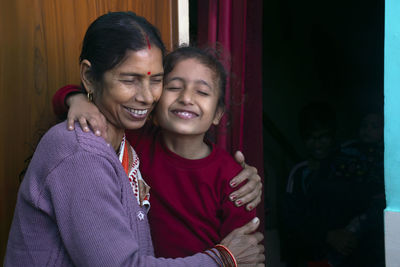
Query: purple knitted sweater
{"type": "Point", "coordinates": [75, 207]}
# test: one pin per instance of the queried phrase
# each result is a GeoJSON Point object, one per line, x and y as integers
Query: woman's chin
{"type": "Point", "coordinates": [133, 125]}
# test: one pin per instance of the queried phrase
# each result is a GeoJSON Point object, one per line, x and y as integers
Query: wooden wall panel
{"type": "Point", "coordinates": [40, 41]}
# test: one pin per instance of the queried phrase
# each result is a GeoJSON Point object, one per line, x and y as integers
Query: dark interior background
{"type": "Point", "coordinates": [316, 50]}
{"type": "Point", "coordinates": [329, 51]}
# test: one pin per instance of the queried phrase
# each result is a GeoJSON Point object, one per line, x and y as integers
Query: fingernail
{"type": "Point", "coordinates": [255, 220]}
{"type": "Point", "coordinates": [249, 207]}
{"type": "Point", "coordinates": [86, 129]}
{"type": "Point", "coordinates": [98, 133]}
{"type": "Point", "coordinates": [233, 197]}
{"type": "Point", "coordinates": [233, 184]}
{"type": "Point", "coordinates": [70, 128]}
{"type": "Point", "coordinates": [238, 202]}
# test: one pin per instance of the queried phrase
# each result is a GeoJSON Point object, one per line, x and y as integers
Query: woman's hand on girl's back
{"type": "Point", "coordinates": [250, 193]}
{"type": "Point", "coordinates": [244, 243]}
{"type": "Point", "coordinates": [87, 114]}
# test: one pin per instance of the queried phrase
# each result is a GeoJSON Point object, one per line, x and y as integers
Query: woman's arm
{"type": "Point", "coordinates": [92, 221]}
{"type": "Point", "coordinates": [96, 230]}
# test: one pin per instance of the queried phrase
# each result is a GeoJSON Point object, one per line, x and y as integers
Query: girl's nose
{"type": "Point", "coordinates": [186, 97]}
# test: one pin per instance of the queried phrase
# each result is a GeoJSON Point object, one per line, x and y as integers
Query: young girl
{"type": "Point", "coordinates": [189, 177]}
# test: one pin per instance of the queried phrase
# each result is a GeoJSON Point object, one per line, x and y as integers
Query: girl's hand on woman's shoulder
{"type": "Point", "coordinates": [250, 193]}
{"type": "Point", "coordinates": [87, 114]}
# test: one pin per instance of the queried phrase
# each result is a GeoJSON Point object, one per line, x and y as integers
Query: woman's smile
{"type": "Point", "coordinates": [138, 114]}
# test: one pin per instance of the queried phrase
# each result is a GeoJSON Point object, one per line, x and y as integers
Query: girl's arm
{"type": "Point", "coordinates": [71, 102]}
{"type": "Point", "coordinates": [80, 109]}
{"type": "Point", "coordinates": [60, 106]}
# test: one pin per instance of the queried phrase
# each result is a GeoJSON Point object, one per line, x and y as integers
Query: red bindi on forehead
{"type": "Point", "coordinates": [149, 72]}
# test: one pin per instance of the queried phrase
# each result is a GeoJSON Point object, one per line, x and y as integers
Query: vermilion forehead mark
{"type": "Point", "coordinates": [149, 72]}
{"type": "Point", "coordinates": [148, 42]}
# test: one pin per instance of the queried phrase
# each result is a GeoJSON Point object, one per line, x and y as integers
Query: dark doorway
{"type": "Point", "coordinates": [316, 51]}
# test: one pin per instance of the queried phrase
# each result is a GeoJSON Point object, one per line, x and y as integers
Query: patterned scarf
{"type": "Point", "coordinates": [130, 161]}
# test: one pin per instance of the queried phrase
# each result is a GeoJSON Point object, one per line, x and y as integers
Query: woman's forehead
{"type": "Point", "coordinates": [142, 61]}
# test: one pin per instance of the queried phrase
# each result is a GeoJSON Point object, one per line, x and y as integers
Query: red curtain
{"type": "Point", "coordinates": [236, 27]}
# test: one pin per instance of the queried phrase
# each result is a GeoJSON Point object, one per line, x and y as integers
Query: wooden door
{"type": "Point", "coordinates": [40, 41]}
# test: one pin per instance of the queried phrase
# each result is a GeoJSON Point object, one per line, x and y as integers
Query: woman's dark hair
{"type": "Point", "coordinates": [111, 35]}
{"type": "Point", "coordinates": [206, 58]}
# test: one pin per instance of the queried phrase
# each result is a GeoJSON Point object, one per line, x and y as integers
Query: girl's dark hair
{"type": "Point", "coordinates": [206, 58]}
{"type": "Point", "coordinates": [111, 35]}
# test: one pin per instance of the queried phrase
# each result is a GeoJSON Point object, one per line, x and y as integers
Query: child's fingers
{"type": "Point", "coordinates": [83, 123]}
{"type": "Point", "coordinates": [94, 125]}
{"type": "Point", "coordinates": [70, 124]}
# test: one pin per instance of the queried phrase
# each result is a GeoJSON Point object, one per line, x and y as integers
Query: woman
{"type": "Point", "coordinates": [76, 206]}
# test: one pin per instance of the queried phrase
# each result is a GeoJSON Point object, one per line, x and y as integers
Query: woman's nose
{"type": "Point", "coordinates": [144, 94]}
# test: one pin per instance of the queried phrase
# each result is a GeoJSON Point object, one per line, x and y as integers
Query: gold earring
{"type": "Point", "coordinates": [90, 96]}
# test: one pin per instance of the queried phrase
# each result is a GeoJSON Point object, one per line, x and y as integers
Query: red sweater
{"type": "Point", "coordinates": [190, 210]}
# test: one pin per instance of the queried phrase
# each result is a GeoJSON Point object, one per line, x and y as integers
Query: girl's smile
{"type": "Point", "coordinates": [188, 105]}
{"type": "Point", "coordinates": [185, 114]}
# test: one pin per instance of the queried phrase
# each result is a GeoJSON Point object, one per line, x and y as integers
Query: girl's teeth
{"type": "Point", "coordinates": [185, 114]}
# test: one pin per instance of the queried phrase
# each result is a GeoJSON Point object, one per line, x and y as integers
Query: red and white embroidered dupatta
{"type": "Point", "coordinates": [130, 161]}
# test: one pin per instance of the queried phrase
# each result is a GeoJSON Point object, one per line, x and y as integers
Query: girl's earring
{"type": "Point", "coordinates": [90, 96]}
